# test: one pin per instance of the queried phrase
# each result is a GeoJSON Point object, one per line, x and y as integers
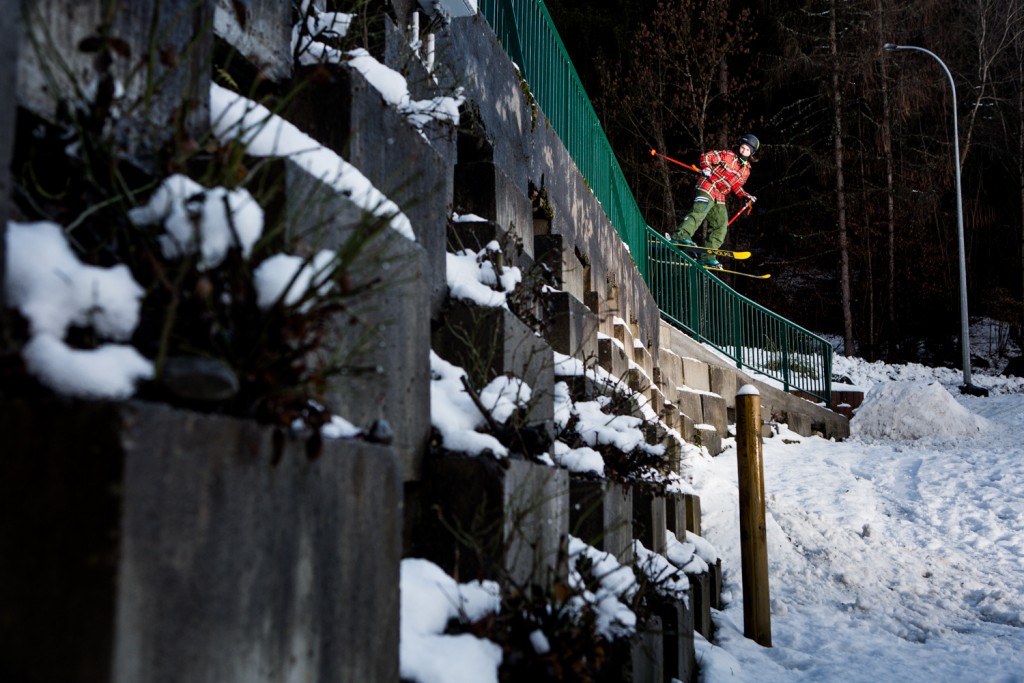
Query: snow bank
{"type": "Point", "coordinates": [914, 410]}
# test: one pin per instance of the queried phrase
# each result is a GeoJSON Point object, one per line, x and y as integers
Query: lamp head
{"type": "Point", "coordinates": [890, 47]}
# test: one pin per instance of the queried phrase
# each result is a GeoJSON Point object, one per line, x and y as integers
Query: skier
{"type": "Point", "coordinates": [722, 171]}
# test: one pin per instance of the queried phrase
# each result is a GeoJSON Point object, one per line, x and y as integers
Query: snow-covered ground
{"type": "Point", "coordinates": [896, 555]}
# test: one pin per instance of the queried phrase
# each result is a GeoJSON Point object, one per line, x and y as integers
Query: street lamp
{"type": "Point", "coordinates": [965, 338]}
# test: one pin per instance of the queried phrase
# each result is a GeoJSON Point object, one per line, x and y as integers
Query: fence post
{"type": "Point", "coordinates": [753, 537]}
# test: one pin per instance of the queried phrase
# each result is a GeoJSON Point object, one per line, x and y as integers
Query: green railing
{"type": "Point", "coordinates": [694, 300]}
{"type": "Point", "coordinates": [528, 34]}
{"type": "Point", "coordinates": [689, 297]}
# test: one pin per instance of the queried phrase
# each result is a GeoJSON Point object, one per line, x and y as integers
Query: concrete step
{"type": "Point", "coordinates": [168, 545]}
{"type": "Point", "coordinates": [601, 515]}
{"type": "Point", "coordinates": [500, 520]}
{"type": "Point", "coordinates": [389, 375]}
{"type": "Point", "coordinates": [572, 328]}
{"type": "Point", "coordinates": [341, 110]}
{"type": "Point", "coordinates": [484, 189]}
{"type": "Point", "coordinates": [487, 342]}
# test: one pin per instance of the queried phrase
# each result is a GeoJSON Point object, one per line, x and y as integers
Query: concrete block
{"type": "Point", "coordinates": [612, 358]}
{"type": "Point", "coordinates": [669, 414]}
{"type": "Point", "coordinates": [59, 69]}
{"type": "Point", "coordinates": [648, 652]}
{"type": "Point", "coordinates": [687, 428]}
{"type": "Point", "coordinates": [692, 506]}
{"type": "Point", "coordinates": [643, 358]}
{"type": "Point", "coordinates": [690, 403]}
{"type": "Point", "coordinates": [715, 572]}
{"type": "Point", "coordinates": [341, 110]}
{"type": "Point", "coordinates": [387, 357]}
{"type": "Point", "coordinates": [682, 514]}
{"type": "Point", "coordinates": [165, 545]}
{"type": "Point", "coordinates": [601, 514]}
{"type": "Point", "coordinates": [657, 398]}
{"type": "Point", "coordinates": [670, 367]}
{"type": "Point", "coordinates": [488, 342]}
{"type": "Point", "coordinates": [723, 383]}
{"type": "Point", "coordinates": [638, 381]}
{"type": "Point", "coordinates": [675, 515]}
{"type": "Point", "coordinates": [621, 332]}
{"type": "Point", "coordinates": [673, 451]}
{"type": "Point", "coordinates": [482, 188]}
{"type": "Point", "coordinates": [696, 375]}
{"type": "Point", "coordinates": [700, 589]}
{"type": "Point", "coordinates": [707, 436]}
{"type": "Point", "coordinates": [649, 520]}
{"type": "Point", "coordinates": [492, 519]}
{"type": "Point", "coordinates": [473, 235]}
{"type": "Point", "coordinates": [261, 31]}
{"type": "Point", "coordinates": [576, 273]}
{"type": "Point", "coordinates": [677, 644]}
{"type": "Point", "coordinates": [563, 263]}
{"type": "Point", "coordinates": [572, 327]}
{"type": "Point", "coordinates": [800, 423]}
{"type": "Point", "coordinates": [713, 407]}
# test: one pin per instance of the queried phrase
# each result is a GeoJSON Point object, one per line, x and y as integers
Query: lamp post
{"type": "Point", "coordinates": [965, 338]}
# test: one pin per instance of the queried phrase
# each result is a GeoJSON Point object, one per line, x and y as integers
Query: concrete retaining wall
{"type": "Point", "coordinates": [145, 543]}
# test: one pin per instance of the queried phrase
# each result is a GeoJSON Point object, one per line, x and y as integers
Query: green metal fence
{"type": "Point", "coordinates": [695, 300]}
{"type": "Point", "coordinates": [689, 297]}
{"type": "Point", "coordinates": [526, 30]}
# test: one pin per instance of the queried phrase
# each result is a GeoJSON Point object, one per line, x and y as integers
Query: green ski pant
{"type": "Point", "coordinates": [705, 208]}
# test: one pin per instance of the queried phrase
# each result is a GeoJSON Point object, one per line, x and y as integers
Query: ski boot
{"type": "Point", "coordinates": [682, 243]}
{"type": "Point", "coordinates": [710, 262]}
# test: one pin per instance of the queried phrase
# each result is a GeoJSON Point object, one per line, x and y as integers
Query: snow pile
{"type": "Point", "coordinates": [665, 577]}
{"type": "Point", "coordinates": [624, 432]}
{"type": "Point", "coordinates": [889, 558]}
{"type": "Point", "coordinates": [692, 555]}
{"type": "Point", "coordinates": [583, 460]}
{"type": "Point", "coordinates": [54, 291]}
{"type": "Point", "coordinates": [313, 35]}
{"type": "Point", "coordinates": [914, 410]}
{"type": "Point", "coordinates": [264, 134]}
{"type": "Point", "coordinates": [217, 219]}
{"type": "Point", "coordinates": [393, 87]}
{"type": "Point", "coordinates": [615, 587]}
{"type": "Point", "coordinates": [456, 416]}
{"type": "Point", "coordinates": [472, 276]}
{"type": "Point", "coordinates": [293, 279]}
{"type": "Point", "coordinates": [429, 600]}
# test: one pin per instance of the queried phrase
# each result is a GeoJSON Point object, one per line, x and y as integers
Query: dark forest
{"type": "Point", "coordinates": [856, 215]}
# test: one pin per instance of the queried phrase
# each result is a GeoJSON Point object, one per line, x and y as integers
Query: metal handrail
{"type": "Point", "coordinates": [526, 30]}
{"type": "Point", "coordinates": [695, 300]}
{"type": "Point", "coordinates": [688, 296]}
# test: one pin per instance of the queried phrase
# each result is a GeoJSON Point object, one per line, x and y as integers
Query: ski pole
{"type": "Point", "coordinates": [746, 209]}
{"type": "Point", "coordinates": [656, 153]}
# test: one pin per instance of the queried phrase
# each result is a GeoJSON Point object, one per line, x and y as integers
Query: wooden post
{"type": "Point", "coordinates": [753, 538]}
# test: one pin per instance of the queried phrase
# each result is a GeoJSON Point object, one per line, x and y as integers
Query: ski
{"type": "Point", "coordinates": [763, 276]}
{"type": "Point", "coordinates": [738, 255]}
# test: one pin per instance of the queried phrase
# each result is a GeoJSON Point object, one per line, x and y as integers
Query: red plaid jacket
{"type": "Point", "coordinates": [728, 173]}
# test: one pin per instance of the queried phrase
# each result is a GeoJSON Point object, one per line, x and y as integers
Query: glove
{"type": "Point", "coordinates": [751, 198]}
{"type": "Point", "coordinates": [706, 172]}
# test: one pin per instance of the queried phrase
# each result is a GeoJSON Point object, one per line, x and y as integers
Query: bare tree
{"type": "Point", "coordinates": [675, 94]}
{"type": "Point", "coordinates": [844, 245]}
{"type": "Point", "coordinates": [890, 214]}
